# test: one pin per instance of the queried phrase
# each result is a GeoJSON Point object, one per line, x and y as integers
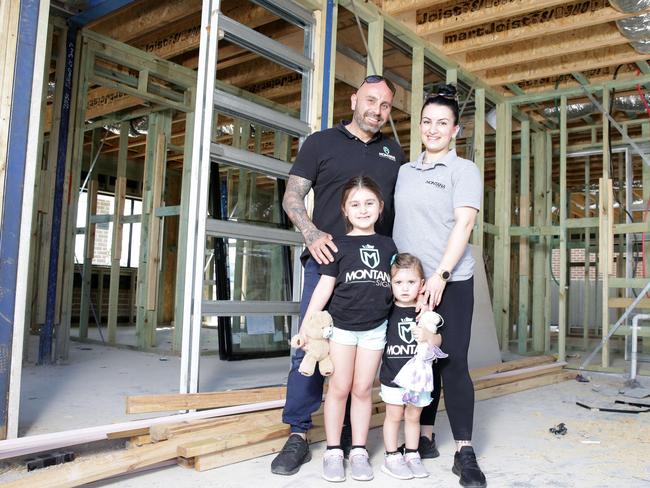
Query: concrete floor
{"type": "Point", "coordinates": [512, 440]}
{"type": "Point", "coordinates": [56, 397]}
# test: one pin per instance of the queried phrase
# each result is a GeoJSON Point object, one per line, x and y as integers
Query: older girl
{"type": "Point", "coordinates": [357, 286]}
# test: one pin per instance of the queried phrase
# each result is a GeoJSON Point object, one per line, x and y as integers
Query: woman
{"type": "Point", "coordinates": [442, 193]}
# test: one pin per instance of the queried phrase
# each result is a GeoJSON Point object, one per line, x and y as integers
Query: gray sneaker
{"type": "Point", "coordinates": [360, 464]}
{"type": "Point", "coordinates": [395, 466]}
{"type": "Point", "coordinates": [414, 463]}
{"type": "Point", "coordinates": [333, 465]}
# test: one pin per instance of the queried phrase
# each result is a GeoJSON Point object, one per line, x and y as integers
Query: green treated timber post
{"type": "Point", "coordinates": [540, 271]}
{"type": "Point", "coordinates": [587, 281]}
{"type": "Point", "coordinates": [100, 297]}
{"type": "Point", "coordinates": [417, 95]}
{"type": "Point", "coordinates": [89, 249]}
{"type": "Point", "coordinates": [153, 278]}
{"type": "Point", "coordinates": [141, 331]}
{"type": "Point", "coordinates": [563, 299]}
{"type": "Point", "coordinates": [603, 232]}
{"type": "Point", "coordinates": [645, 132]}
{"type": "Point", "coordinates": [332, 68]}
{"type": "Point", "coordinates": [503, 180]}
{"type": "Point", "coordinates": [116, 244]}
{"type": "Point", "coordinates": [549, 244]}
{"type": "Point", "coordinates": [622, 197]}
{"type": "Point", "coordinates": [146, 317]}
{"type": "Point", "coordinates": [452, 78]}
{"type": "Point", "coordinates": [479, 158]}
{"type": "Point", "coordinates": [182, 232]}
{"type": "Point", "coordinates": [375, 62]}
{"type": "Point", "coordinates": [524, 250]}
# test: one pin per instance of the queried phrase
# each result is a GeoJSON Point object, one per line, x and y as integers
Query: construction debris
{"type": "Point", "coordinates": [559, 429]}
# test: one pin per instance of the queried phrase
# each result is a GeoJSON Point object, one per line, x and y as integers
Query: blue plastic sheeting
{"type": "Point", "coordinates": [326, 63]}
{"type": "Point", "coordinates": [47, 331]}
{"type": "Point", "coordinates": [14, 183]}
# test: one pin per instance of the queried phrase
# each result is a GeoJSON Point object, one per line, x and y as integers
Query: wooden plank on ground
{"type": "Point", "coordinates": [238, 454]}
{"type": "Point", "coordinates": [522, 385]}
{"type": "Point", "coordinates": [228, 441]}
{"type": "Point", "coordinates": [230, 424]}
{"type": "Point", "coordinates": [193, 401]}
{"type": "Point", "coordinates": [125, 434]}
{"type": "Point", "coordinates": [526, 362]}
{"type": "Point", "coordinates": [516, 375]}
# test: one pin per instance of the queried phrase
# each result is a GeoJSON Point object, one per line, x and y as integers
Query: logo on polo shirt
{"type": "Point", "coordinates": [369, 256]}
{"type": "Point", "coordinates": [386, 154]}
{"type": "Point", "coordinates": [437, 184]}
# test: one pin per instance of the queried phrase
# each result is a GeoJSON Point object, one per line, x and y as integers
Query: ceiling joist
{"type": "Point", "coordinates": [521, 28]}
{"type": "Point", "coordinates": [576, 41]}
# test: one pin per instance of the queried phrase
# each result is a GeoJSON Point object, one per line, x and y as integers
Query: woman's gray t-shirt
{"type": "Point", "coordinates": [425, 199]}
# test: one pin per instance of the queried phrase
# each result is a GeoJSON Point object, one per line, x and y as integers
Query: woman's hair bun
{"type": "Point", "coordinates": [446, 90]}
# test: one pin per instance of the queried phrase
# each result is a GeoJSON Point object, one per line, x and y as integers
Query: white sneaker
{"type": "Point", "coordinates": [414, 463]}
{"type": "Point", "coordinates": [395, 466]}
{"type": "Point", "coordinates": [360, 464]}
{"type": "Point", "coordinates": [333, 465]}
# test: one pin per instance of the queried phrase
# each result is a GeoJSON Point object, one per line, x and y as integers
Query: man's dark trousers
{"type": "Point", "coordinates": [304, 393]}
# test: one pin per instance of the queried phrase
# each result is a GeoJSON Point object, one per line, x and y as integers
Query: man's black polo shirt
{"type": "Point", "coordinates": [329, 158]}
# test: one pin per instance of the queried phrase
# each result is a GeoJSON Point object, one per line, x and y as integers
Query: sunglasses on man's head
{"type": "Point", "coordinates": [378, 79]}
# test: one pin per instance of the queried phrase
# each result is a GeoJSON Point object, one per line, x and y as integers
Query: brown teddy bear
{"type": "Point", "coordinates": [317, 328]}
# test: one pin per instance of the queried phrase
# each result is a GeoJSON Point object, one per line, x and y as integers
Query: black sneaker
{"type": "Point", "coordinates": [466, 467]}
{"type": "Point", "coordinates": [426, 447]}
{"type": "Point", "coordinates": [346, 440]}
{"type": "Point", "coordinates": [294, 454]}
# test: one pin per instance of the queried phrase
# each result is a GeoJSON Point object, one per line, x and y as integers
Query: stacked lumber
{"type": "Point", "coordinates": [208, 443]}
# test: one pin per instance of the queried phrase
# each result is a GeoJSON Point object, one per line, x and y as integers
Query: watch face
{"type": "Point", "coordinates": [445, 275]}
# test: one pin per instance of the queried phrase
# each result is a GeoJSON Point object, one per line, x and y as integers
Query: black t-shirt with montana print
{"type": "Point", "coordinates": [362, 296]}
{"type": "Point", "coordinates": [400, 344]}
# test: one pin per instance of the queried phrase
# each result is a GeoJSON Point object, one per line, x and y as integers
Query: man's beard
{"type": "Point", "coordinates": [359, 118]}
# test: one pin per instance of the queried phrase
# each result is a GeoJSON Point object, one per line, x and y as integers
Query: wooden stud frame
{"type": "Point", "coordinates": [524, 249]}
{"type": "Point", "coordinates": [502, 220]}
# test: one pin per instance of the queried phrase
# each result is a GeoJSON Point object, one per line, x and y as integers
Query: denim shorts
{"type": "Point", "coordinates": [373, 339]}
{"type": "Point", "coordinates": [393, 396]}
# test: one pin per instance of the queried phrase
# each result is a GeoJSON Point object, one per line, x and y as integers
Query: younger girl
{"type": "Point", "coordinates": [357, 286]}
{"type": "Point", "coordinates": [407, 277]}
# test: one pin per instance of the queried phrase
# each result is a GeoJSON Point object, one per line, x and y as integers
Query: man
{"type": "Point", "coordinates": [325, 162]}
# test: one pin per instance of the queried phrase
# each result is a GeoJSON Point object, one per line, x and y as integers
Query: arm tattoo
{"type": "Point", "coordinates": [294, 205]}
